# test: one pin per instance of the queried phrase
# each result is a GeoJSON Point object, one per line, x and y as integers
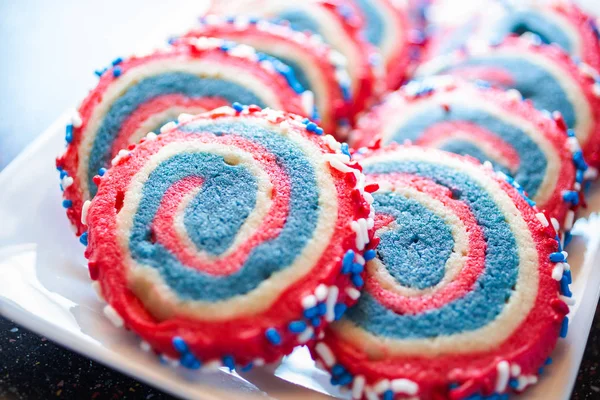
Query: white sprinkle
{"type": "Point", "coordinates": [244, 51]}
{"type": "Point", "coordinates": [66, 182]}
{"type": "Point", "coordinates": [206, 43]}
{"type": "Point", "coordinates": [113, 316]}
{"type": "Point", "coordinates": [515, 369]}
{"type": "Point", "coordinates": [573, 144]}
{"type": "Point", "coordinates": [332, 143]}
{"type": "Point", "coordinates": [309, 301]}
{"type": "Point", "coordinates": [120, 155]}
{"type": "Point", "coordinates": [98, 290]}
{"type": "Point", "coordinates": [325, 353]}
{"type": "Point", "coordinates": [145, 346]}
{"type": "Point", "coordinates": [337, 164]}
{"type": "Point", "coordinates": [358, 386]}
{"type": "Point", "coordinates": [151, 136]}
{"type": "Point", "coordinates": [565, 254]}
{"type": "Point", "coordinates": [353, 293]}
{"type": "Point", "coordinates": [382, 386]}
{"type": "Point", "coordinates": [332, 297]}
{"type": "Point", "coordinates": [84, 211]}
{"type": "Point", "coordinates": [268, 66]}
{"type": "Point", "coordinates": [525, 380]}
{"type": "Point", "coordinates": [557, 271]}
{"type": "Point", "coordinates": [212, 365]}
{"type": "Point", "coordinates": [370, 394]}
{"type": "Point", "coordinates": [258, 362]}
{"type": "Point", "coordinates": [542, 218]}
{"type": "Point", "coordinates": [368, 197]}
{"type": "Point", "coordinates": [76, 119]}
{"type": "Point", "coordinates": [241, 22]}
{"type": "Point", "coordinates": [590, 174]}
{"type": "Point", "coordinates": [405, 386]}
{"type": "Point", "coordinates": [306, 335]}
{"type": "Point", "coordinates": [168, 126]}
{"type": "Point", "coordinates": [321, 335]}
{"type": "Point", "coordinates": [514, 95]}
{"type": "Point", "coordinates": [569, 219]}
{"type": "Point", "coordinates": [171, 361]}
{"type": "Point", "coordinates": [502, 375]}
{"type": "Point", "coordinates": [315, 39]}
{"type": "Point", "coordinates": [587, 70]}
{"type": "Point", "coordinates": [577, 186]}
{"type": "Point", "coordinates": [566, 266]}
{"type": "Point", "coordinates": [321, 292]}
{"type": "Point", "coordinates": [570, 301]}
{"type": "Point", "coordinates": [359, 259]}
{"type": "Point", "coordinates": [487, 164]}
{"type": "Point", "coordinates": [356, 229]}
{"type": "Point", "coordinates": [555, 224]}
{"type": "Point", "coordinates": [183, 117]}
{"type": "Point", "coordinates": [337, 58]}
{"type": "Point", "coordinates": [212, 19]}
{"type": "Point", "coordinates": [596, 89]}
{"type": "Point", "coordinates": [308, 102]}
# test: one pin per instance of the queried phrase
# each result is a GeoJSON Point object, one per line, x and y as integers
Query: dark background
{"type": "Point", "coordinates": [48, 52]}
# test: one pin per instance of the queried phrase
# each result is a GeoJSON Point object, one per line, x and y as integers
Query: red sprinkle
{"type": "Point", "coordinates": [372, 188]}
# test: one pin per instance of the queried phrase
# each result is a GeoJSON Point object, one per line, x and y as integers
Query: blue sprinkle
{"type": "Point", "coordinates": [319, 131]}
{"type": "Point", "coordinates": [568, 275]}
{"type": "Point", "coordinates": [117, 61]}
{"type": "Point", "coordinates": [570, 133]}
{"type": "Point", "coordinates": [571, 196]}
{"type": "Point", "coordinates": [189, 361]}
{"type": "Point", "coordinates": [346, 150]}
{"type": "Point", "coordinates": [579, 176]}
{"type": "Point", "coordinates": [345, 379]}
{"type": "Point", "coordinates": [237, 107]}
{"type": "Point", "coordinates": [338, 310]}
{"type": "Point", "coordinates": [482, 84]}
{"type": "Point", "coordinates": [230, 19]}
{"type": "Point", "coordinates": [530, 202]}
{"type": "Point", "coordinates": [357, 268]}
{"type": "Point", "coordinates": [513, 383]}
{"type": "Point", "coordinates": [67, 203]}
{"type": "Point", "coordinates": [100, 72]}
{"type": "Point", "coordinates": [117, 72]}
{"type": "Point", "coordinates": [568, 237]}
{"type": "Point", "coordinates": [297, 326]}
{"type": "Point", "coordinates": [337, 370]}
{"type": "Point", "coordinates": [101, 171]}
{"type": "Point", "coordinates": [273, 336]}
{"type": "Point", "coordinates": [226, 46]}
{"type": "Point", "coordinates": [557, 257]}
{"type": "Point", "coordinates": [229, 362]}
{"type": "Point", "coordinates": [316, 322]}
{"type": "Point", "coordinates": [321, 309]}
{"type": "Point", "coordinates": [564, 286]}
{"type": "Point", "coordinates": [388, 395]}
{"type": "Point", "coordinates": [347, 262]}
{"type": "Point", "coordinates": [564, 328]}
{"type": "Point", "coordinates": [540, 370]}
{"type": "Point", "coordinates": [334, 381]}
{"type": "Point", "coordinates": [369, 255]}
{"type": "Point", "coordinates": [311, 127]}
{"type": "Point", "coordinates": [357, 280]}
{"type": "Point", "coordinates": [253, 20]}
{"type": "Point", "coordinates": [305, 121]}
{"type": "Point", "coordinates": [83, 239]}
{"type": "Point", "coordinates": [548, 361]}
{"type": "Point", "coordinates": [346, 92]}
{"type": "Point", "coordinates": [310, 313]}
{"type": "Point", "coordinates": [172, 40]}
{"type": "Point", "coordinates": [63, 173]}
{"type": "Point", "coordinates": [247, 367]}
{"type": "Point", "coordinates": [345, 11]}
{"type": "Point", "coordinates": [579, 160]}
{"type": "Point", "coordinates": [162, 359]}
{"type": "Point", "coordinates": [69, 133]}
{"type": "Point", "coordinates": [180, 345]}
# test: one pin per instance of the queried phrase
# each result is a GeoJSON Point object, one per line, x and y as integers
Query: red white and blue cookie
{"type": "Point", "coordinates": [315, 65]}
{"type": "Point", "coordinates": [560, 22]}
{"type": "Point", "coordinates": [490, 125]}
{"type": "Point", "coordinates": [465, 294]}
{"type": "Point", "coordinates": [338, 25]}
{"type": "Point", "coordinates": [388, 25]}
{"type": "Point", "coordinates": [544, 74]}
{"type": "Point", "coordinates": [140, 94]}
{"type": "Point", "coordinates": [223, 240]}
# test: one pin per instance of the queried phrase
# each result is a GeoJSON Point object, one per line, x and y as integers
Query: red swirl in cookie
{"type": "Point", "coordinates": [315, 66]}
{"type": "Point", "coordinates": [462, 295]}
{"type": "Point", "coordinates": [220, 241]}
{"type": "Point", "coordinates": [490, 125]}
{"type": "Point", "coordinates": [141, 94]}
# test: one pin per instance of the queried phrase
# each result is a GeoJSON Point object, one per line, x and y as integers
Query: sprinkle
{"type": "Point", "coordinates": [76, 120]}
{"type": "Point", "coordinates": [180, 345]}
{"type": "Point", "coordinates": [358, 386]}
{"type": "Point", "coordinates": [357, 268]}
{"type": "Point", "coordinates": [308, 101]}
{"type": "Point", "coordinates": [306, 335]}
{"type": "Point", "coordinates": [100, 72]}
{"type": "Point", "coordinates": [316, 322]}
{"type": "Point", "coordinates": [381, 386]}
{"type": "Point", "coordinates": [515, 369]}
{"type": "Point", "coordinates": [168, 126]}
{"type": "Point", "coordinates": [83, 239]}
{"type": "Point", "coordinates": [84, 211]}
{"type": "Point", "coordinates": [388, 395]}
{"type": "Point", "coordinates": [237, 107]}
{"type": "Point", "coordinates": [370, 394]}
{"type": "Point", "coordinates": [259, 362]}
{"type": "Point", "coordinates": [117, 72]}
{"type": "Point", "coordinates": [332, 297]}
{"type": "Point", "coordinates": [67, 203]}
{"type": "Point", "coordinates": [405, 386]}
{"type": "Point", "coordinates": [66, 182]}
{"type": "Point", "coordinates": [188, 360]}
{"type": "Point", "coordinates": [357, 280]}
{"type": "Point", "coordinates": [569, 219]}
{"type": "Point", "coordinates": [321, 292]}
{"type": "Point", "coordinates": [557, 257]}
{"type": "Point", "coordinates": [353, 293]}
{"type": "Point", "coordinates": [145, 346]}
{"type": "Point", "coordinates": [325, 354]}
{"type": "Point", "coordinates": [273, 336]}
{"type": "Point", "coordinates": [98, 290]}
{"type": "Point", "coordinates": [311, 313]}
{"type": "Point", "coordinates": [101, 171]}
{"type": "Point", "coordinates": [229, 362]}
{"type": "Point", "coordinates": [557, 271]}
{"type": "Point", "coordinates": [309, 301]}
{"type": "Point", "coordinates": [69, 133]}
{"type": "Point", "coordinates": [339, 310]}
{"type": "Point", "coordinates": [502, 376]}
{"type": "Point", "coordinates": [542, 218]}
{"type": "Point", "coordinates": [564, 285]}
{"type": "Point", "coordinates": [113, 316]}
{"type": "Point", "coordinates": [297, 326]}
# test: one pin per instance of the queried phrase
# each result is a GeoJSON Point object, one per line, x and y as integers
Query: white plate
{"type": "Point", "coordinates": [44, 286]}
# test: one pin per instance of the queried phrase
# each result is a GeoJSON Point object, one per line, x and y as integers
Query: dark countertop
{"type": "Point", "coordinates": [50, 51]}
